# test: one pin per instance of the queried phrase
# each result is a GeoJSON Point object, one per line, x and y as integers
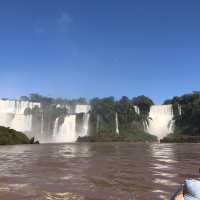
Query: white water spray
{"type": "Point", "coordinates": [85, 128]}
{"type": "Point", "coordinates": [56, 127]}
{"type": "Point", "coordinates": [160, 120]}
{"type": "Point", "coordinates": [67, 131]}
{"type": "Point", "coordinates": [12, 114]}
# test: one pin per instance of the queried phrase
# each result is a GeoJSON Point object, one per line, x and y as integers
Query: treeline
{"type": "Point", "coordinates": [103, 115]}
{"type": "Point", "coordinates": [51, 108]}
{"type": "Point", "coordinates": [188, 123]}
{"type": "Point", "coordinates": [46, 101]}
{"type": "Point", "coordinates": [103, 111]}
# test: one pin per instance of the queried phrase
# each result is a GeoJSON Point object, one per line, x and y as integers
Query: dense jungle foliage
{"type": "Point", "coordinates": [188, 123]}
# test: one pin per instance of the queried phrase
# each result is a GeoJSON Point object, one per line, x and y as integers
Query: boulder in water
{"type": "Point", "coordinates": [10, 137]}
{"type": "Point", "coordinates": [32, 141]}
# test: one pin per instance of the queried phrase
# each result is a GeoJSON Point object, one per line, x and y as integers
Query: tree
{"type": "Point", "coordinates": [24, 98]}
{"type": "Point", "coordinates": [126, 111]}
{"type": "Point", "coordinates": [45, 101]}
{"type": "Point", "coordinates": [82, 100]}
{"type": "Point", "coordinates": [188, 121]}
{"type": "Point", "coordinates": [144, 103]}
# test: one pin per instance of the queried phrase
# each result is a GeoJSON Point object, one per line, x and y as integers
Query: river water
{"type": "Point", "coordinates": [97, 171]}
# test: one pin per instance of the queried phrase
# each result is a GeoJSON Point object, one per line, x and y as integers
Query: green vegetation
{"type": "Point", "coordinates": [144, 103]}
{"type": "Point", "coordinates": [138, 136]}
{"type": "Point", "coordinates": [102, 115]}
{"type": "Point", "coordinates": [180, 138]}
{"type": "Point", "coordinates": [46, 101]}
{"type": "Point", "coordinates": [10, 137]}
{"type": "Point", "coordinates": [188, 123]}
{"type": "Point", "coordinates": [131, 124]}
{"type": "Point", "coordinates": [127, 137]}
{"type": "Point", "coordinates": [51, 108]}
{"type": "Point", "coordinates": [103, 119]}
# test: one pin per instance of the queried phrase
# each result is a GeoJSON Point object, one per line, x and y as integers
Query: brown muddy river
{"type": "Point", "coordinates": [102, 171]}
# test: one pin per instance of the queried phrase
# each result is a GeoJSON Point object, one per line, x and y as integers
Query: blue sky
{"type": "Point", "coordinates": [73, 48]}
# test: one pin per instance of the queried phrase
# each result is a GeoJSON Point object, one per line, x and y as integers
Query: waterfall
{"type": "Point", "coordinates": [179, 110]}
{"type": "Point", "coordinates": [98, 123]}
{"type": "Point", "coordinates": [42, 125]}
{"type": "Point", "coordinates": [145, 125]}
{"type": "Point", "coordinates": [137, 110]}
{"type": "Point", "coordinates": [22, 123]}
{"type": "Point", "coordinates": [67, 131]}
{"type": "Point", "coordinates": [117, 124]}
{"type": "Point", "coordinates": [160, 120]}
{"type": "Point", "coordinates": [12, 114]}
{"type": "Point", "coordinates": [17, 114]}
{"type": "Point", "coordinates": [82, 109]}
{"type": "Point", "coordinates": [56, 127]}
{"type": "Point", "coordinates": [84, 132]}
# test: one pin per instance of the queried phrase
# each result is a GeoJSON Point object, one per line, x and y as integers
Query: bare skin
{"type": "Point", "coordinates": [179, 196]}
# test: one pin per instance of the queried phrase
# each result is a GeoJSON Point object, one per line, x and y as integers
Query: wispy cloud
{"type": "Point", "coordinates": [63, 21]}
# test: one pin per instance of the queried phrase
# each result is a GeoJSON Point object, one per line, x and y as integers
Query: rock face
{"type": "Point", "coordinates": [10, 137]}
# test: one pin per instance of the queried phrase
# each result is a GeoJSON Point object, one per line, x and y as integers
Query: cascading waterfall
{"type": "Point", "coordinates": [82, 109]}
{"type": "Point", "coordinates": [116, 124]}
{"type": "Point", "coordinates": [12, 114]}
{"type": "Point", "coordinates": [179, 110]}
{"type": "Point", "coordinates": [137, 110]}
{"type": "Point", "coordinates": [22, 123]}
{"type": "Point", "coordinates": [56, 127]}
{"type": "Point", "coordinates": [42, 125]}
{"type": "Point", "coordinates": [84, 132]}
{"type": "Point", "coordinates": [98, 123]}
{"type": "Point", "coordinates": [66, 132]}
{"type": "Point", "coordinates": [16, 114]}
{"type": "Point", "coordinates": [160, 120]}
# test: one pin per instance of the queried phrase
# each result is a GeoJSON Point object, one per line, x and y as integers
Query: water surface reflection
{"type": "Point", "coordinates": [102, 171]}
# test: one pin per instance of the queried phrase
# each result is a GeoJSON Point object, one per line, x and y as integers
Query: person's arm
{"type": "Point", "coordinates": [179, 196]}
